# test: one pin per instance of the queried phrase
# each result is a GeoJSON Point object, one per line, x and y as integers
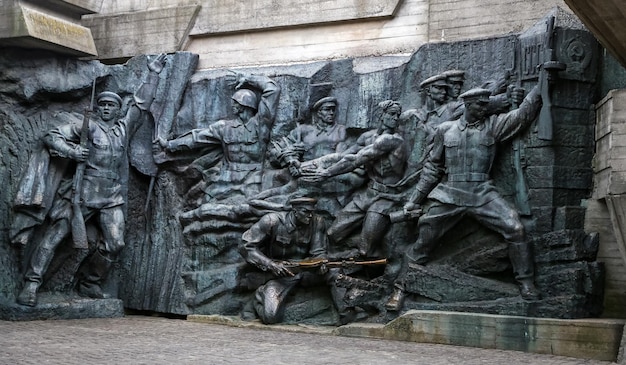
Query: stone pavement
{"type": "Point", "coordinates": [157, 340]}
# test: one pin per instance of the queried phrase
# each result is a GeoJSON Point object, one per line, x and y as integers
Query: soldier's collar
{"type": "Point", "coordinates": [248, 126]}
{"type": "Point", "coordinates": [463, 124]}
{"type": "Point", "coordinates": [291, 222]}
{"type": "Point", "coordinates": [438, 110]}
{"type": "Point", "coordinates": [323, 127]}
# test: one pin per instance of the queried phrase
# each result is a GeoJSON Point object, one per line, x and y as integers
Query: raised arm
{"type": "Point", "coordinates": [144, 96]}
{"type": "Point", "coordinates": [510, 124]}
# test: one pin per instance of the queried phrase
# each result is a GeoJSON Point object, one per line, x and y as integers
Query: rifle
{"type": "Point", "coordinates": [545, 123]}
{"type": "Point", "coordinates": [518, 159]}
{"type": "Point", "coordinates": [319, 262]}
{"type": "Point", "coordinates": [79, 230]}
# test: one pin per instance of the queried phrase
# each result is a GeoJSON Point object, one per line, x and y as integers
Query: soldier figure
{"type": "Point", "coordinates": [455, 80]}
{"type": "Point", "coordinates": [324, 135]}
{"type": "Point", "coordinates": [242, 140]}
{"type": "Point", "coordinates": [456, 179]}
{"type": "Point", "coordinates": [383, 154]}
{"type": "Point", "coordinates": [321, 143]}
{"type": "Point", "coordinates": [102, 188]}
{"type": "Point", "coordinates": [285, 236]}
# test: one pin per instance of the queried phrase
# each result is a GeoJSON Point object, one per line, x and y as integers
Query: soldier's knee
{"type": "Point", "coordinates": [113, 247]}
{"type": "Point", "coordinates": [514, 231]}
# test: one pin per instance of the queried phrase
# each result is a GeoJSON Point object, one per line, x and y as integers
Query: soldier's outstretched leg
{"type": "Point", "coordinates": [375, 226]}
{"type": "Point", "coordinates": [39, 261]}
{"type": "Point", "coordinates": [432, 226]}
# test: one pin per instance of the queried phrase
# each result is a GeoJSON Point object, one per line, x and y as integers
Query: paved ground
{"type": "Point", "coordinates": [154, 340]}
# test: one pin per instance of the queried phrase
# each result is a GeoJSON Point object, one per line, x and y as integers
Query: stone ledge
{"type": "Point", "coordinates": [58, 306]}
{"type": "Point", "coordinates": [597, 339]}
{"type": "Point", "coordinates": [23, 26]}
{"type": "Point", "coordinates": [241, 16]}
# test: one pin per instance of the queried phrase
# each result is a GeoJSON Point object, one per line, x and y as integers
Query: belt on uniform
{"type": "Point", "coordinates": [241, 166]}
{"type": "Point", "coordinates": [382, 188]}
{"type": "Point", "coordinates": [468, 177]}
{"type": "Point", "coordinates": [99, 173]}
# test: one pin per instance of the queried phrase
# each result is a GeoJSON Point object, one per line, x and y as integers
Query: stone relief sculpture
{"type": "Point", "coordinates": [283, 237]}
{"type": "Point", "coordinates": [239, 144]}
{"type": "Point", "coordinates": [101, 197]}
{"type": "Point", "coordinates": [320, 143]}
{"type": "Point", "coordinates": [383, 153]}
{"type": "Point", "coordinates": [456, 179]}
{"type": "Point", "coordinates": [359, 214]}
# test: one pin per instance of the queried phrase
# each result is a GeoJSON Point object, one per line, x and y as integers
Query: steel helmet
{"type": "Point", "coordinates": [245, 97]}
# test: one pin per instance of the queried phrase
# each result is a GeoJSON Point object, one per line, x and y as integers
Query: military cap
{"type": "Point", "coordinates": [476, 94]}
{"type": "Point", "coordinates": [434, 80]}
{"type": "Point", "coordinates": [302, 200]}
{"type": "Point", "coordinates": [328, 99]}
{"type": "Point", "coordinates": [110, 96]}
{"type": "Point", "coordinates": [454, 75]}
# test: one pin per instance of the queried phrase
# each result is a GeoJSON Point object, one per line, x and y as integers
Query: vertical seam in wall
{"type": "Point", "coordinates": [428, 40]}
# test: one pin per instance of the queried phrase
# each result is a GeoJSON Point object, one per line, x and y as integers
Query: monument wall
{"type": "Point", "coordinates": [184, 232]}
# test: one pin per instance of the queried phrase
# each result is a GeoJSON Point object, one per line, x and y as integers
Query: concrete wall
{"type": "Point", "coordinates": [228, 34]}
{"type": "Point", "coordinates": [606, 210]}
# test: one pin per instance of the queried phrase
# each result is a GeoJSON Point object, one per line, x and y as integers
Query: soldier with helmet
{"type": "Point", "coordinates": [242, 140]}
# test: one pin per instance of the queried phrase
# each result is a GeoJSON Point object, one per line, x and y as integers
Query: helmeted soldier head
{"type": "Point", "coordinates": [108, 105]}
{"type": "Point", "coordinates": [246, 98]}
{"type": "Point", "coordinates": [455, 80]}
{"type": "Point", "coordinates": [436, 88]}
{"type": "Point", "coordinates": [325, 110]}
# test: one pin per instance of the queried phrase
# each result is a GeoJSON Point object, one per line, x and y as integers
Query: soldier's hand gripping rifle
{"type": "Point", "coordinates": [79, 230]}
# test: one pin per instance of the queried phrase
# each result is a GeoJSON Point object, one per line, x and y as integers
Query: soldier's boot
{"type": "Point", "coordinates": [352, 314]}
{"type": "Point", "coordinates": [527, 289]}
{"type": "Point", "coordinates": [96, 270]}
{"type": "Point", "coordinates": [36, 267]}
{"type": "Point", "coordinates": [521, 260]}
{"type": "Point", "coordinates": [396, 300]}
{"type": "Point", "coordinates": [28, 294]}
